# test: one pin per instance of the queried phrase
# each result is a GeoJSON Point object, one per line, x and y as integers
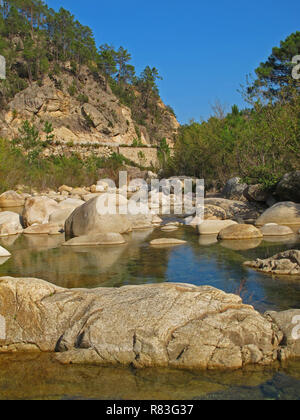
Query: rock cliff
{"type": "Point", "coordinates": [83, 110]}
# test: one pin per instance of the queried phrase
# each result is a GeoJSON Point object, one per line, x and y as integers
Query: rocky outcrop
{"type": "Point", "coordinates": [285, 263]}
{"type": "Point", "coordinates": [91, 114]}
{"type": "Point", "coordinates": [164, 325]}
{"type": "Point", "coordinates": [284, 213]}
{"type": "Point", "coordinates": [288, 188]}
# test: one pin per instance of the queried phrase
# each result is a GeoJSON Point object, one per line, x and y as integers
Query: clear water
{"type": "Point", "coordinates": [202, 261]}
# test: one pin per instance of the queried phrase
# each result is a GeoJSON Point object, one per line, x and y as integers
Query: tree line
{"type": "Point", "coordinates": [260, 143]}
{"type": "Point", "coordinates": [36, 40]}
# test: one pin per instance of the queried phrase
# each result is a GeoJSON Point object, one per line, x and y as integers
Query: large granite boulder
{"type": "Point", "coordinates": [10, 224]}
{"type": "Point", "coordinates": [162, 325]}
{"type": "Point", "coordinates": [288, 188]}
{"type": "Point", "coordinates": [284, 213]}
{"type": "Point", "coordinates": [214, 227]}
{"type": "Point", "coordinates": [284, 263]}
{"type": "Point", "coordinates": [38, 210]}
{"type": "Point", "coordinates": [257, 193]}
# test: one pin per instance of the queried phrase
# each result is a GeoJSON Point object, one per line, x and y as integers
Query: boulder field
{"type": "Point", "coordinates": [161, 325]}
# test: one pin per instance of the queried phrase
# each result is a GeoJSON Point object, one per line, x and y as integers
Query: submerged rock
{"type": "Point", "coordinates": [167, 242]}
{"type": "Point", "coordinates": [285, 263]}
{"type": "Point", "coordinates": [162, 325]}
{"type": "Point", "coordinates": [276, 230]}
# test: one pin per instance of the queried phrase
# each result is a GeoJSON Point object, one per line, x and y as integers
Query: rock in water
{"type": "Point", "coordinates": [167, 242]}
{"type": "Point", "coordinates": [38, 210]}
{"type": "Point", "coordinates": [234, 189]}
{"type": "Point", "coordinates": [288, 188]}
{"type": "Point", "coordinates": [11, 199]}
{"type": "Point", "coordinates": [285, 213]}
{"type": "Point", "coordinates": [161, 325]}
{"type": "Point", "coordinates": [285, 263]}
{"type": "Point", "coordinates": [97, 239]}
{"type": "Point", "coordinates": [276, 230]}
{"type": "Point", "coordinates": [214, 227]}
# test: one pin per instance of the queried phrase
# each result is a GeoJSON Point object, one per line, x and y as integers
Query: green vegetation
{"type": "Point", "coordinates": [259, 144]}
{"type": "Point", "coordinates": [22, 163]}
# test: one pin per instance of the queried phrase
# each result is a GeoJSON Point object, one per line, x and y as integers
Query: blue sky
{"type": "Point", "coordinates": [203, 49]}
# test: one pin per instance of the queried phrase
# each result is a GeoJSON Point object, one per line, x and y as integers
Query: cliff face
{"type": "Point", "coordinates": [84, 110]}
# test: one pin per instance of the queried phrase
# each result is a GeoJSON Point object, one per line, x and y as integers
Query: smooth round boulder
{"type": "Point", "coordinates": [11, 199]}
{"type": "Point", "coordinates": [170, 228]}
{"type": "Point", "coordinates": [276, 230]}
{"type": "Point", "coordinates": [4, 252]}
{"type": "Point", "coordinates": [38, 210]}
{"type": "Point", "coordinates": [240, 232]}
{"type": "Point", "coordinates": [96, 240]}
{"type": "Point", "coordinates": [214, 227]}
{"type": "Point", "coordinates": [284, 213]}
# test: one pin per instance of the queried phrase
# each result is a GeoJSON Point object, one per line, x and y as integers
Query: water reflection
{"type": "Point", "coordinates": [39, 376]}
{"type": "Point", "coordinates": [202, 261]}
{"type": "Point", "coordinates": [197, 262]}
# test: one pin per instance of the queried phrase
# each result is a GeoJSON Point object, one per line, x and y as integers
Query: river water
{"type": "Point", "coordinates": [202, 261]}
